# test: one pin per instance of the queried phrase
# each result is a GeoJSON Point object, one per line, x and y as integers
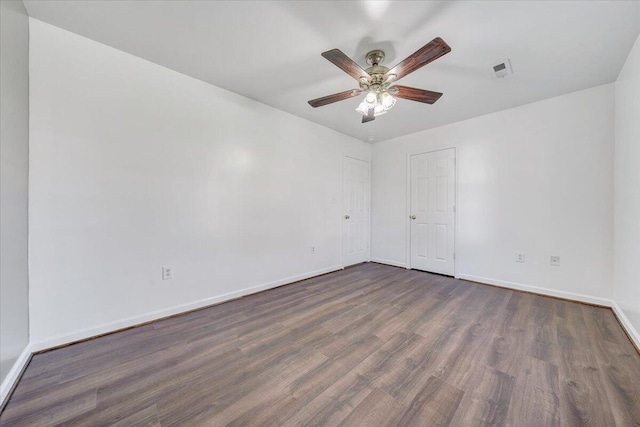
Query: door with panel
{"type": "Point", "coordinates": [355, 202]}
{"type": "Point", "coordinates": [432, 214]}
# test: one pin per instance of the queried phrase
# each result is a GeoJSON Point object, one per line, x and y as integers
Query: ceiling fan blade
{"type": "Point", "coordinates": [345, 63]}
{"type": "Point", "coordinates": [329, 99]}
{"type": "Point", "coordinates": [420, 95]}
{"type": "Point", "coordinates": [369, 117]}
{"type": "Point", "coordinates": [427, 53]}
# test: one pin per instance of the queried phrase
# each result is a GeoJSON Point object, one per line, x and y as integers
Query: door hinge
{"type": "Point", "coordinates": [454, 208]}
{"type": "Point", "coordinates": [454, 256]}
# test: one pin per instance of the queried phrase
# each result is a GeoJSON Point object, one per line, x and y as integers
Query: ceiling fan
{"type": "Point", "coordinates": [376, 80]}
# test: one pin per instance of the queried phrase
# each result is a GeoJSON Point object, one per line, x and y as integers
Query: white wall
{"type": "Point", "coordinates": [627, 191]}
{"type": "Point", "coordinates": [536, 179]}
{"type": "Point", "coordinates": [134, 166]}
{"type": "Point", "coordinates": [14, 173]}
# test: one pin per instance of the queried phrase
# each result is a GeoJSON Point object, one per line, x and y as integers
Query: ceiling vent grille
{"type": "Point", "coordinates": [501, 69]}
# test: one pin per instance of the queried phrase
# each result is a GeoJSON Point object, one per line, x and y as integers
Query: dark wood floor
{"type": "Point", "coordinates": [371, 345]}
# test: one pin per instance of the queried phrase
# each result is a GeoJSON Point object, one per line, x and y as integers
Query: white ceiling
{"type": "Point", "coordinates": [270, 51]}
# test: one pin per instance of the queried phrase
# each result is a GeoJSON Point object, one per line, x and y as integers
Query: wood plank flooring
{"type": "Point", "coordinates": [372, 345]}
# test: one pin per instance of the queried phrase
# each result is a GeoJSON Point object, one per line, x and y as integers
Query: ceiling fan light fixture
{"type": "Point", "coordinates": [370, 101]}
{"type": "Point", "coordinates": [380, 102]}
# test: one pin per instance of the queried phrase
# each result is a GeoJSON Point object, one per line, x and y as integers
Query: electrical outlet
{"type": "Point", "coordinates": [313, 249]}
{"type": "Point", "coordinates": [167, 273]}
{"type": "Point", "coordinates": [555, 261]}
{"type": "Point", "coordinates": [519, 256]}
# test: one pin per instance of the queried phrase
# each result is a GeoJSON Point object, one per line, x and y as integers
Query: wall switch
{"type": "Point", "coordinates": [519, 256]}
{"type": "Point", "coordinates": [167, 273]}
{"type": "Point", "coordinates": [555, 261]}
{"type": "Point", "coordinates": [313, 249]}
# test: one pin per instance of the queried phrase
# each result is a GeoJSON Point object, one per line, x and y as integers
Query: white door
{"type": "Point", "coordinates": [355, 220]}
{"type": "Point", "coordinates": [432, 215]}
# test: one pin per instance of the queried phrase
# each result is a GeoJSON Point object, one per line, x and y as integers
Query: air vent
{"type": "Point", "coordinates": [501, 69]}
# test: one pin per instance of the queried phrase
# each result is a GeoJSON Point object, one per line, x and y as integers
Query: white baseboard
{"type": "Point", "coordinates": [14, 374]}
{"type": "Point", "coordinates": [84, 334]}
{"type": "Point", "coordinates": [389, 262]}
{"type": "Point", "coordinates": [537, 290]}
{"type": "Point", "coordinates": [25, 356]}
{"type": "Point", "coordinates": [626, 324]}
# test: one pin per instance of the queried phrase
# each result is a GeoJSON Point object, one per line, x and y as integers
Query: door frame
{"type": "Point", "coordinates": [368, 204]}
{"type": "Point", "coordinates": [408, 206]}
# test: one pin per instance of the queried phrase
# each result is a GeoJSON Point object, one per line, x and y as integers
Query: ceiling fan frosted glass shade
{"type": "Point", "coordinates": [363, 108]}
{"type": "Point", "coordinates": [371, 98]}
{"type": "Point", "coordinates": [387, 101]}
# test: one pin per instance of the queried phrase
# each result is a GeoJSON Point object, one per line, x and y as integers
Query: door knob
{"type": "Point", "coordinates": [412, 217]}
{"type": "Point", "coordinates": [347, 217]}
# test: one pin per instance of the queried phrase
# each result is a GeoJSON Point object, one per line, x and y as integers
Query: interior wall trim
{"type": "Point", "coordinates": [623, 320]}
{"type": "Point", "coordinates": [603, 302]}
{"type": "Point", "coordinates": [389, 262]}
{"type": "Point", "coordinates": [633, 334]}
{"type": "Point", "coordinates": [12, 378]}
{"type": "Point", "coordinates": [107, 328]}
